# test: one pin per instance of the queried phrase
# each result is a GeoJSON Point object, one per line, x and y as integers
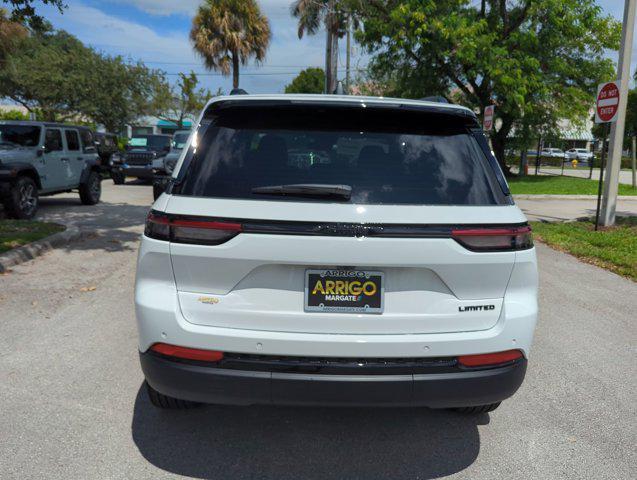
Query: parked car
{"type": "Point", "coordinates": [143, 153]}
{"type": "Point", "coordinates": [397, 272]}
{"type": "Point", "coordinates": [38, 159]}
{"type": "Point", "coordinates": [581, 154]}
{"type": "Point", "coordinates": [163, 171]}
{"type": "Point", "coordinates": [107, 147]}
{"type": "Point", "coordinates": [552, 153]}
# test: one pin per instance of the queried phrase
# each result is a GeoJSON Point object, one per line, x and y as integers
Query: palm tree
{"type": "Point", "coordinates": [227, 33]}
{"type": "Point", "coordinates": [312, 14]}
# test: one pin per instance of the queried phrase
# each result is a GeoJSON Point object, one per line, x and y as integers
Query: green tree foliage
{"type": "Point", "coordinates": [11, 32]}
{"type": "Point", "coordinates": [121, 91]}
{"type": "Point", "coordinates": [228, 33]}
{"type": "Point", "coordinates": [53, 74]}
{"type": "Point", "coordinates": [13, 115]}
{"type": "Point", "coordinates": [310, 80]}
{"type": "Point", "coordinates": [536, 60]}
{"type": "Point", "coordinates": [184, 100]}
{"type": "Point", "coordinates": [23, 11]}
{"type": "Point", "coordinates": [47, 72]}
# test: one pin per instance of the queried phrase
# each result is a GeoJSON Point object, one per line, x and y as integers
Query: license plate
{"type": "Point", "coordinates": [346, 291]}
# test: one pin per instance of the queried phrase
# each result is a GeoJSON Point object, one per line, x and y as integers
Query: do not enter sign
{"type": "Point", "coordinates": [607, 102]}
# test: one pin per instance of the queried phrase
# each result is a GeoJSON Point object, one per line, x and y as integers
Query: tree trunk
{"type": "Point", "coordinates": [498, 143]}
{"type": "Point", "coordinates": [331, 48]}
{"type": "Point", "coordinates": [235, 70]}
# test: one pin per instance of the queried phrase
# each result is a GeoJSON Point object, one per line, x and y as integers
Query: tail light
{"type": "Point", "coordinates": [162, 227]}
{"type": "Point", "coordinates": [489, 359]}
{"type": "Point", "coordinates": [187, 353]}
{"type": "Point", "coordinates": [494, 239]}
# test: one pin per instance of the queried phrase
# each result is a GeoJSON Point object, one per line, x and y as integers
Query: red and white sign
{"type": "Point", "coordinates": [607, 102]}
{"type": "Point", "coordinates": [487, 122]}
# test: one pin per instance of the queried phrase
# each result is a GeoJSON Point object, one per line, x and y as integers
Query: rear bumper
{"type": "Point", "coordinates": [239, 387]}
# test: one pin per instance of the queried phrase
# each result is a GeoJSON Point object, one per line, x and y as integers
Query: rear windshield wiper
{"type": "Point", "coordinates": [307, 189]}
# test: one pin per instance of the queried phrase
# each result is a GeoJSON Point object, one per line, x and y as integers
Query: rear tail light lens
{"type": "Point", "coordinates": [161, 227]}
{"type": "Point", "coordinates": [494, 239]}
{"type": "Point", "coordinates": [208, 233]}
{"type": "Point", "coordinates": [187, 353]}
{"type": "Point", "coordinates": [157, 226]}
{"type": "Point", "coordinates": [487, 359]}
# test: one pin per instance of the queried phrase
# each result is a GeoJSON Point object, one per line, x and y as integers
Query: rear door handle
{"type": "Point", "coordinates": [79, 158]}
{"type": "Point", "coordinates": [64, 159]}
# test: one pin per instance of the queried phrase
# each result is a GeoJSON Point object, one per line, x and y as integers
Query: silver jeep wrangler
{"type": "Point", "coordinates": [39, 158]}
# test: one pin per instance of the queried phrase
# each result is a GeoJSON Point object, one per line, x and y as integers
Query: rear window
{"type": "Point", "coordinates": [386, 157]}
{"type": "Point", "coordinates": [19, 136]}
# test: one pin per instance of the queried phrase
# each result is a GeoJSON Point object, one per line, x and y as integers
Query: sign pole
{"type": "Point", "coordinates": [601, 177]}
{"type": "Point", "coordinates": [634, 162]}
{"type": "Point", "coordinates": [617, 131]}
{"type": "Point", "coordinates": [537, 156]}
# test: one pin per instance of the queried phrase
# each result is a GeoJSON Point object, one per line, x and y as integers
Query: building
{"type": "Point", "coordinates": [153, 125]}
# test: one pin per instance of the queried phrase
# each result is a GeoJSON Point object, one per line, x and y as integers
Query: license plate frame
{"type": "Point", "coordinates": [367, 303]}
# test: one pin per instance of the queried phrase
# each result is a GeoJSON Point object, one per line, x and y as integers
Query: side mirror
{"type": "Point", "coordinates": [90, 149]}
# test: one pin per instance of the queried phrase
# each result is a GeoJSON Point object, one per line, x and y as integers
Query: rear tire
{"type": "Point", "coordinates": [480, 409]}
{"type": "Point", "coordinates": [118, 178]}
{"type": "Point", "coordinates": [160, 400]}
{"type": "Point", "coordinates": [91, 190]}
{"type": "Point", "coordinates": [22, 199]}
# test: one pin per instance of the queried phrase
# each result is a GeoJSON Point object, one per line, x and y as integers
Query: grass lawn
{"type": "Point", "coordinates": [554, 185]}
{"type": "Point", "coordinates": [613, 248]}
{"type": "Point", "coordinates": [15, 233]}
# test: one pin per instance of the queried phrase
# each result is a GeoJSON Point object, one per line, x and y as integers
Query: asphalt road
{"type": "Point", "coordinates": [71, 406]}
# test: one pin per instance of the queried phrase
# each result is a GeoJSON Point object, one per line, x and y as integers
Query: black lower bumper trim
{"type": "Point", "coordinates": [238, 387]}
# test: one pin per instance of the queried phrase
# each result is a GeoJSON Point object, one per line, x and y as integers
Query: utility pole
{"type": "Point", "coordinates": [348, 52]}
{"type": "Point", "coordinates": [331, 47]}
{"type": "Point", "coordinates": [617, 130]}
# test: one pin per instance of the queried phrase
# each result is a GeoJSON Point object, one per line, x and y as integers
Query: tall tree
{"type": "Point", "coordinates": [23, 11]}
{"type": "Point", "coordinates": [55, 76]}
{"type": "Point", "coordinates": [536, 60]}
{"type": "Point", "coordinates": [228, 33]}
{"type": "Point", "coordinates": [186, 99]}
{"type": "Point", "coordinates": [310, 80]}
{"type": "Point", "coordinates": [122, 92]}
{"type": "Point", "coordinates": [11, 32]}
{"type": "Point", "coordinates": [313, 15]}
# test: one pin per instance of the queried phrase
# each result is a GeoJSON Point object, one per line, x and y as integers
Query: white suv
{"type": "Point", "coordinates": [334, 250]}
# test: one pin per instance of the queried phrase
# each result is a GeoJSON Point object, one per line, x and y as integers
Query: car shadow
{"type": "Point", "coordinates": [305, 443]}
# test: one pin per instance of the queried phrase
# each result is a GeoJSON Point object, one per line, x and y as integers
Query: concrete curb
{"type": "Point", "coordinates": [568, 197]}
{"type": "Point", "coordinates": [35, 249]}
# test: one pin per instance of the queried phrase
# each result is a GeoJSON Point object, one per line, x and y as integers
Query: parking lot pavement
{"type": "Point", "coordinates": [72, 405]}
{"type": "Point", "coordinates": [558, 208]}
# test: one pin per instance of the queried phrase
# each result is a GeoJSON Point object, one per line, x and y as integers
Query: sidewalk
{"type": "Point", "coordinates": [558, 208]}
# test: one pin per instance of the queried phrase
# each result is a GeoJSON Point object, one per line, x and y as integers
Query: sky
{"type": "Point", "coordinates": [156, 32]}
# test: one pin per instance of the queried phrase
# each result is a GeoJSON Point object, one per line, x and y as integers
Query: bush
{"type": "Point", "coordinates": [13, 115]}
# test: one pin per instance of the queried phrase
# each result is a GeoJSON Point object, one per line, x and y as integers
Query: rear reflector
{"type": "Point", "coordinates": [187, 353]}
{"type": "Point", "coordinates": [486, 359]}
{"type": "Point", "coordinates": [494, 239]}
{"type": "Point", "coordinates": [161, 227]}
